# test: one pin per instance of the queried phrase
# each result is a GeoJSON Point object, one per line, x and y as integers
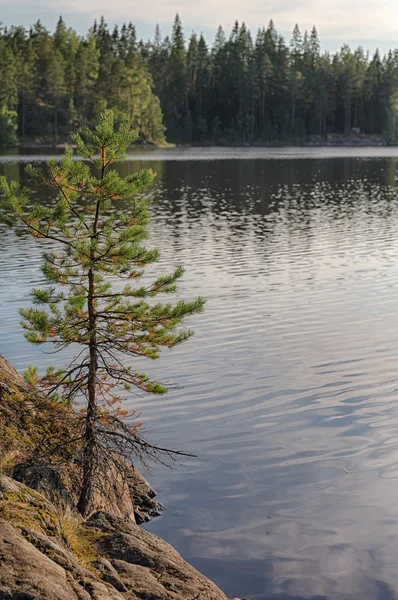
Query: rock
{"type": "Point", "coordinates": [142, 581]}
{"type": "Point", "coordinates": [142, 496]}
{"type": "Point", "coordinates": [30, 569]}
{"type": "Point", "coordinates": [41, 560]}
{"type": "Point", "coordinates": [148, 566]}
{"type": "Point", "coordinates": [59, 555]}
{"type": "Point", "coordinates": [114, 497]}
{"type": "Point", "coordinates": [100, 591]}
{"type": "Point", "coordinates": [28, 507]}
{"type": "Point", "coordinates": [127, 494]}
{"type": "Point", "coordinates": [9, 377]}
{"type": "Point", "coordinates": [9, 485]}
{"type": "Point", "coordinates": [109, 574]}
{"type": "Point", "coordinates": [132, 498]}
{"type": "Point", "coordinates": [46, 480]}
{"type": "Point", "coordinates": [27, 573]}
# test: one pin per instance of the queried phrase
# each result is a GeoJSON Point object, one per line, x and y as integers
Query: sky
{"type": "Point", "coordinates": [370, 23]}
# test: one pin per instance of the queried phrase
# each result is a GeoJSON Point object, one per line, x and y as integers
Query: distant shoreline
{"type": "Point", "coordinates": [333, 142]}
{"type": "Point", "coordinates": [63, 145]}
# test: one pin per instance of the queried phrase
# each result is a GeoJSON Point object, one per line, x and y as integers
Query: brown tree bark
{"type": "Point", "coordinates": [86, 498]}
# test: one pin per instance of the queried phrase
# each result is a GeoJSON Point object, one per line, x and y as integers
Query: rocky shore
{"type": "Point", "coordinates": [48, 552]}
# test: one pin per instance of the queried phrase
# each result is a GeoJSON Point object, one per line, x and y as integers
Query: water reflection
{"type": "Point", "coordinates": [289, 388]}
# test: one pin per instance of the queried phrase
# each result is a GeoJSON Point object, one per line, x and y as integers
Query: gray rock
{"type": "Point", "coordinates": [9, 485]}
{"type": "Point", "coordinates": [9, 375]}
{"type": "Point", "coordinates": [109, 574]}
{"type": "Point", "coordinates": [61, 556]}
{"type": "Point", "coordinates": [27, 573]}
{"type": "Point", "coordinates": [46, 480]}
{"type": "Point", "coordinates": [142, 496]}
{"type": "Point", "coordinates": [132, 498]}
{"type": "Point", "coordinates": [132, 564]}
{"type": "Point", "coordinates": [148, 566]}
{"type": "Point", "coordinates": [142, 581]}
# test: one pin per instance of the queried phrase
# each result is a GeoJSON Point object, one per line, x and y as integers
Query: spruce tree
{"type": "Point", "coordinates": [178, 88]}
{"type": "Point", "coordinates": [81, 306]}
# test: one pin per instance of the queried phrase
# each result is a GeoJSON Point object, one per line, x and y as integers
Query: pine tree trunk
{"type": "Point", "coordinates": [87, 491]}
{"type": "Point", "coordinates": [85, 502]}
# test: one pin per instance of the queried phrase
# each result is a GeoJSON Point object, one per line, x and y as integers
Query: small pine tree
{"type": "Point", "coordinates": [81, 306]}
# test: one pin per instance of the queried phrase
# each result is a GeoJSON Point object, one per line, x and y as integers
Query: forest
{"type": "Point", "coordinates": [241, 89]}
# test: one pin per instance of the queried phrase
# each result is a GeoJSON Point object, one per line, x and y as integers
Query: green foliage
{"type": "Point", "coordinates": [8, 127]}
{"type": "Point", "coordinates": [54, 82]}
{"type": "Point", "coordinates": [80, 305]}
{"type": "Point", "coordinates": [253, 89]}
{"type": "Point", "coordinates": [245, 91]}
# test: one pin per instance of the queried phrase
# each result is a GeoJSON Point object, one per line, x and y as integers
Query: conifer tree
{"type": "Point", "coordinates": [235, 91]}
{"type": "Point", "coordinates": [80, 306]}
{"type": "Point", "coordinates": [178, 79]}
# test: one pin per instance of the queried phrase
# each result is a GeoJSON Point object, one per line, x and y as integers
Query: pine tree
{"type": "Point", "coordinates": [56, 85]}
{"type": "Point", "coordinates": [220, 99]}
{"type": "Point", "coordinates": [314, 46]}
{"type": "Point", "coordinates": [202, 90]}
{"type": "Point", "coordinates": [8, 96]}
{"type": "Point", "coordinates": [87, 69]}
{"type": "Point", "coordinates": [178, 78]}
{"type": "Point", "coordinates": [80, 305]}
{"type": "Point", "coordinates": [158, 63]}
{"type": "Point", "coordinates": [264, 72]}
{"type": "Point", "coordinates": [25, 76]}
{"type": "Point", "coordinates": [391, 92]}
{"type": "Point", "coordinates": [346, 71]}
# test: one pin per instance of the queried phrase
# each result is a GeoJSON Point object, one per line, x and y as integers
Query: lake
{"type": "Point", "coordinates": [288, 392]}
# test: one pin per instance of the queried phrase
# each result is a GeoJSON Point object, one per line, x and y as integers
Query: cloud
{"type": "Point", "coordinates": [345, 20]}
{"type": "Point", "coordinates": [371, 18]}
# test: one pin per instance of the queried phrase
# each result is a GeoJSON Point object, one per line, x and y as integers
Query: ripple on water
{"type": "Point", "coordinates": [288, 392]}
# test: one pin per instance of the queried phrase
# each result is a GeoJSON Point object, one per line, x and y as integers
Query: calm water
{"type": "Point", "coordinates": [288, 391]}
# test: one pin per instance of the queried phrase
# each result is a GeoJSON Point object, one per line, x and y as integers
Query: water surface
{"type": "Point", "coordinates": [288, 392]}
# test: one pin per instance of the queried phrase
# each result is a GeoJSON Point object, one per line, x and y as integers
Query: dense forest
{"type": "Point", "coordinates": [50, 84]}
{"type": "Point", "coordinates": [239, 90]}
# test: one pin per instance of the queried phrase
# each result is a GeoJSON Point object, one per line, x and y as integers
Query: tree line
{"type": "Point", "coordinates": [51, 84]}
{"type": "Point", "coordinates": [262, 90]}
{"type": "Point", "coordinates": [241, 89]}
